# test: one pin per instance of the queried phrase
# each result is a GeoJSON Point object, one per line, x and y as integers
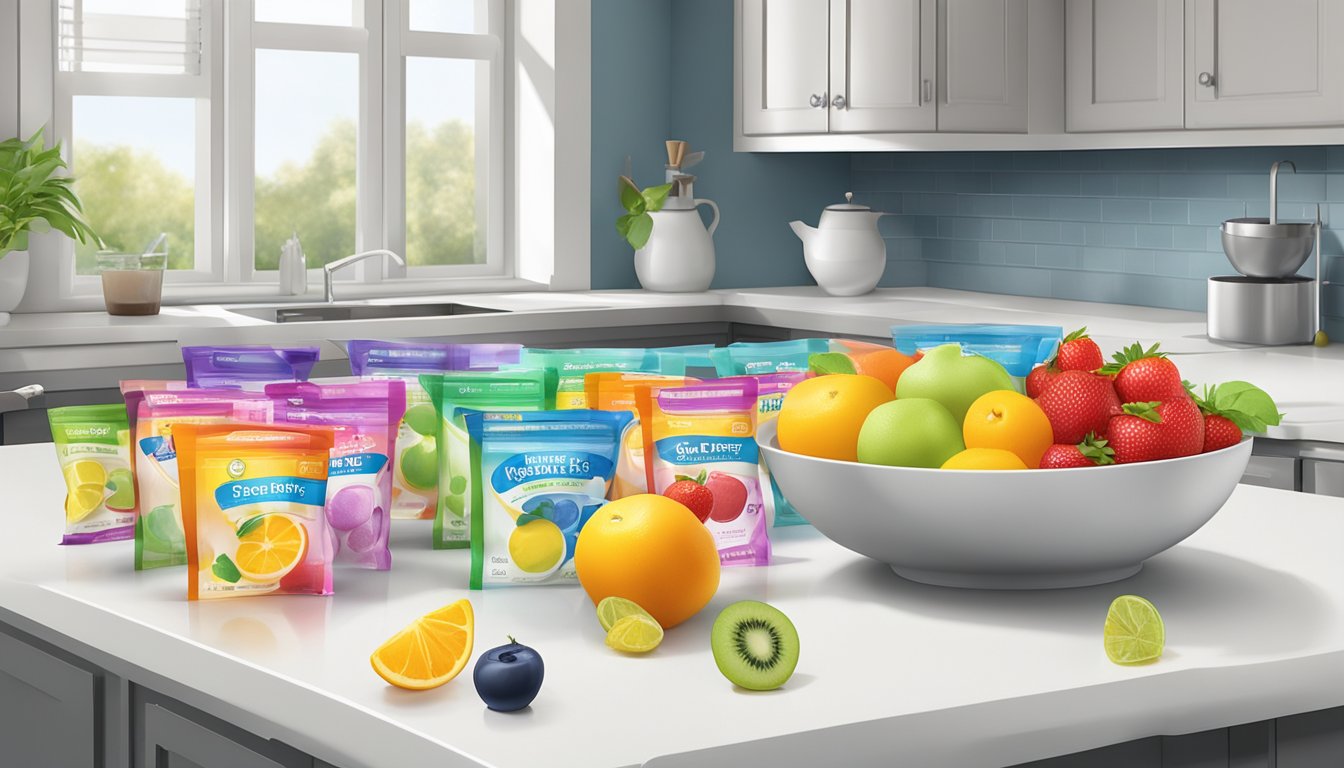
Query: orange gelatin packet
{"type": "Point", "coordinates": [253, 509]}
{"type": "Point", "coordinates": [616, 392]}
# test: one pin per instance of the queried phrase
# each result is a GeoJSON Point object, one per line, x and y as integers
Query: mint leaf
{"type": "Point", "coordinates": [641, 227]}
{"type": "Point", "coordinates": [654, 197]}
{"type": "Point", "coordinates": [631, 198]}
{"type": "Point", "coordinates": [250, 525]}
{"type": "Point", "coordinates": [226, 570]}
{"type": "Point", "coordinates": [825, 363]}
{"type": "Point", "coordinates": [1245, 405]}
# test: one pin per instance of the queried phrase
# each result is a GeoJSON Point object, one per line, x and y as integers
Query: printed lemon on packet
{"type": "Point", "coordinates": [95, 465]}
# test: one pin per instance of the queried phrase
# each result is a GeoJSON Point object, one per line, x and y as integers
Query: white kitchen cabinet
{"type": "Point", "coordinates": [883, 65]}
{"type": "Point", "coordinates": [48, 708]}
{"type": "Point", "coordinates": [784, 50]}
{"type": "Point", "coordinates": [982, 65]}
{"type": "Point", "coordinates": [1252, 63]}
{"type": "Point", "coordinates": [1123, 65]}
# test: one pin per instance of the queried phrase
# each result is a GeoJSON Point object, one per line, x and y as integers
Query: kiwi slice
{"type": "Point", "coordinates": [755, 645]}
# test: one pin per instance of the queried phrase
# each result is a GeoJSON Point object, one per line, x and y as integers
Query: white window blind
{"type": "Point", "coordinates": [131, 36]}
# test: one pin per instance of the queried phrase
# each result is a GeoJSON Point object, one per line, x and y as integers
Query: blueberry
{"type": "Point", "coordinates": [508, 677]}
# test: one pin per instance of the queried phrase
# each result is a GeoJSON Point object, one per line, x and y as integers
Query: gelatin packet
{"type": "Point", "coordinates": [537, 478]}
{"type": "Point", "coordinates": [159, 537]}
{"type": "Point", "coordinates": [571, 365]}
{"type": "Point", "coordinates": [513, 390]}
{"type": "Point", "coordinates": [234, 366]}
{"type": "Point", "coordinates": [751, 358]}
{"type": "Point", "coordinates": [363, 417]}
{"type": "Point", "coordinates": [93, 443]}
{"type": "Point", "coordinates": [770, 391]}
{"type": "Point", "coordinates": [252, 509]}
{"type": "Point", "coordinates": [616, 392]}
{"type": "Point", "coordinates": [706, 434]}
{"type": "Point", "coordinates": [417, 435]}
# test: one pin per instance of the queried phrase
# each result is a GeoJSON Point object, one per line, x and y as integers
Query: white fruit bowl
{"type": "Point", "coordinates": [1030, 529]}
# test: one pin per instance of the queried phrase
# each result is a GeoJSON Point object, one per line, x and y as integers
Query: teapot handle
{"type": "Point", "coordinates": [714, 222]}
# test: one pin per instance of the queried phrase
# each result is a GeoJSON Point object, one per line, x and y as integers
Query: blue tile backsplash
{"type": "Point", "coordinates": [1123, 226]}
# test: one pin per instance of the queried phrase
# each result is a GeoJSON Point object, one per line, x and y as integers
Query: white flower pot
{"type": "Point", "coordinates": [679, 257]}
{"type": "Point", "coordinates": [13, 281]}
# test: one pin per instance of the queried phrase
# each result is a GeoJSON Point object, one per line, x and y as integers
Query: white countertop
{"type": "Point", "coordinates": [1306, 381]}
{"type": "Point", "coordinates": [891, 672]}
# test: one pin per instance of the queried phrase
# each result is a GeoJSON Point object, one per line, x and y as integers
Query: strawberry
{"type": "Point", "coordinates": [692, 493]}
{"type": "Point", "coordinates": [1232, 409]}
{"type": "Point", "coordinates": [1219, 432]}
{"type": "Point", "coordinates": [1154, 430]}
{"type": "Point", "coordinates": [1144, 375]}
{"type": "Point", "coordinates": [1040, 378]}
{"type": "Point", "coordinates": [1078, 402]}
{"type": "Point", "coordinates": [1092, 452]}
{"type": "Point", "coordinates": [1078, 352]}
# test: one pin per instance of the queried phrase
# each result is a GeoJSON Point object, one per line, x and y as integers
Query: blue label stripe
{"type": "Point", "coordinates": [544, 465]}
{"type": "Point", "coordinates": [258, 490]}
{"type": "Point", "coordinates": [697, 449]}
{"type": "Point", "coordinates": [356, 464]}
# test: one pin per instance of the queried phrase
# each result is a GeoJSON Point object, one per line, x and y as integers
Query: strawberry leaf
{"type": "Point", "coordinates": [1081, 333]}
{"type": "Point", "coordinates": [1244, 404]}
{"type": "Point", "coordinates": [702, 477]}
{"type": "Point", "coordinates": [1096, 449]}
{"type": "Point", "coordinates": [1146, 411]}
{"type": "Point", "coordinates": [1128, 355]}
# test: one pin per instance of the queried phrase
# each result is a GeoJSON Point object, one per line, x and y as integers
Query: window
{"type": "Point", "coordinates": [229, 125]}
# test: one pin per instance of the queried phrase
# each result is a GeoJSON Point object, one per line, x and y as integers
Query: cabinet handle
{"type": "Point", "coordinates": [818, 101]}
{"type": "Point", "coordinates": [928, 91]}
{"type": "Point", "coordinates": [1206, 79]}
{"type": "Point", "coordinates": [839, 101]}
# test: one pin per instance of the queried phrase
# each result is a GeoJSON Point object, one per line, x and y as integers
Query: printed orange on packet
{"type": "Point", "coordinates": [253, 509]}
{"type": "Point", "coordinates": [616, 392]}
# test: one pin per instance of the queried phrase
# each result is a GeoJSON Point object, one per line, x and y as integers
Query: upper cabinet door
{"type": "Point", "coordinates": [1255, 63]}
{"type": "Point", "coordinates": [883, 65]}
{"type": "Point", "coordinates": [982, 65]}
{"type": "Point", "coordinates": [1123, 65]}
{"type": "Point", "coordinates": [784, 62]}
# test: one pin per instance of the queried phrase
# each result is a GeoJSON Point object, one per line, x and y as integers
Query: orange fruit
{"type": "Point", "coordinates": [1011, 421]}
{"type": "Point", "coordinates": [822, 416]}
{"type": "Point", "coordinates": [984, 458]}
{"type": "Point", "coordinates": [651, 550]}
{"type": "Point", "coordinates": [882, 363]}
{"type": "Point", "coordinates": [271, 549]}
{"type": "Point", "coordinates": [430, 651]}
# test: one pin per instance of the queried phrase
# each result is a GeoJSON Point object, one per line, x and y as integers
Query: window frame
{"type": "Point", "coordinates": [225, 143]}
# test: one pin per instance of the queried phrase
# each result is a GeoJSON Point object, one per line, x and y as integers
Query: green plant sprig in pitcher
{"type": "Point", "coordinates": [636, 224]}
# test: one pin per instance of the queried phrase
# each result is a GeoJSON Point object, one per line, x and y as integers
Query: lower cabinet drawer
{"type": "Point", "coordinates": [1272, 472]}
{"type": "Point", "coordinates": [1323, 477]}
{"type": "Point", "coordinates": [170, 734]}
{"type": "Point", "coordinates": [48, 709]}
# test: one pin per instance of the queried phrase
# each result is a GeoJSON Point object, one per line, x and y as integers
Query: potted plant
{"type": "Point", "coordinates": [35, 196]}
{"type": "Point", "coordinates": [673, 250]}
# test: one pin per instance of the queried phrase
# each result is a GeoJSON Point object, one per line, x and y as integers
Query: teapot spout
{"type": "Point", "coordinates": [803, 231]}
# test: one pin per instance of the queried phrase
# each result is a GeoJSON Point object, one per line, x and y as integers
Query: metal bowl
{"type": "Point", "coordinates": [1260, 249]}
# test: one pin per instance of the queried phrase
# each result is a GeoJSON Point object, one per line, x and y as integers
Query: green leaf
{"type": "Point", "coordinates": [1244, 404]}
{"type": "Point", "coordinates": [825, 363]}
{"type": "Point", "coordinates": [640, 229]}
{"type": "Point", "coordinates": [1146, 411]}
{"type": "Point", "coordinates": [623, 223]}
{"type": "Point", "coordinates": [654, 197]}
{"type": "Point", "coordinates": [226, 570]}
{"type": "Point", "coordinates": [250, 525]}
{"type": "Point", "coordinates": [631, 198]}
{"type": "Point", "coordinates": [528, 517]}
{"type": "Point", "coordinates": [1096, 449]}
{"type": "Point", "coordinates": [1128, 355]}
{"type": "Point", "coordinates": [1081, 333]}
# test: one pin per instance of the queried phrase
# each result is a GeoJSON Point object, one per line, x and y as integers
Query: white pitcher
{"type": "Point", "coordinates": [679, 256]}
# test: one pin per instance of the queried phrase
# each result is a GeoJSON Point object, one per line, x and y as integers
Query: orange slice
{"type": "Point", "coordinates": [430, 651]}
{"type": "Point", "coordinates": [271, 549]}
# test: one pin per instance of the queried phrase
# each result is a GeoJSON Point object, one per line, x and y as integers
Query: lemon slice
{"type": "Point", "coordinates": [85, 472]}
{"type": "Point", "coordinates": [1134, 633]}
{"type": "Point", "coordinates": [271, 549]}
{"type": "Point", "coordinates": [613, 609]}
{"type": "Point", "coordinates": [635, 634]}
{"type": "Point", "coordinates": [429, 652]}
{"type": "Point", "coordinates": [82, 501]}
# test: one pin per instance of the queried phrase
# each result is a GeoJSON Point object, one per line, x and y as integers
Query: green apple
{"type": "Point", "coordinates": [915, 432]}
{"type": "Point", "coordinates": [420, 464]}
{"type": "Point", "coordinates": [122, 486]}
{"type": "Point", "coordinates": [953, 379]}
{"type": "Point", "coordinates": [422, 419]}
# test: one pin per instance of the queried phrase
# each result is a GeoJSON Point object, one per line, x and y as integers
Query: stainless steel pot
{"type": "Point", "coordinates": [1259, 248]}
{"type": "Point", "coordinates": [1254, 310]}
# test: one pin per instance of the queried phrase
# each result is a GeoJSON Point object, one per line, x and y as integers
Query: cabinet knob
{"type": "Point", "coordinates": [1206, 79]}
{"type": "Point", "coordinates": [839, 101]}
{"type": "Point", "coordinates": [928, 91]}
{"type": "Point", "coordinates": [818, 101]}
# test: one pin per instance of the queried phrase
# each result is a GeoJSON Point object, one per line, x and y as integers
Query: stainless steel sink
{"type": "Point", "coordinates": [318, 313]}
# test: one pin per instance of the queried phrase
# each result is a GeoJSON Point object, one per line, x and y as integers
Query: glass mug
{"type": "Point", "coordinates": [132, 282]}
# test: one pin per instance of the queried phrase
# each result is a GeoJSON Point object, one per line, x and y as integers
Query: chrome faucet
{"type": "Point", "coordinates": [1274, 188]}
{"type": "Point", "coordinates": [327, 269]}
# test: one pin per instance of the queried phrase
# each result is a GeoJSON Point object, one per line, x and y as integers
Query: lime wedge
{"type": "Point", "coordinates": [635, 634]}
{"type": "Point", "coordinates": [1134, 632]}
{"type": "Point", "coordinates": [613, 609]}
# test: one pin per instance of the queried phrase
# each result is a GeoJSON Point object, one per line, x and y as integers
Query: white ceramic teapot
{"type": "Point", "coordinates": [679, 256]}
{"type": "Point", "coordinates": [845, 253]}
